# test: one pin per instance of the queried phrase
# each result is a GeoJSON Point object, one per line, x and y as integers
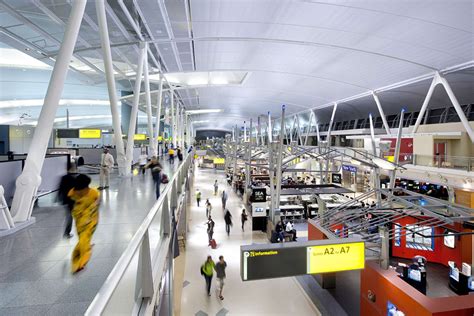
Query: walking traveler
{"type": "Point", "coordinates": [67, 183]}
{"type": "Point", "coordinates": [207, 271]}
{"type": "Point", "coordinates": [171, 154]}
{"type": "Point", "coordinates": [106, 163]}
{"type": "Point", "coordinates": [243, 218]}
{"type": "Point", "coordinates": [210, 228]}
{"type": "Point", "coordinates": [220, 274]}
{"type": "Point", "coordinates": [224, 199]}
{"type": "Point", "coordinates": [156, 174]}
{"type": "Point", "coordinates": [142, 161]}
{"type": "Point", "coordinates": [208, 208]}
{"type": "Point", "coordinates": [179, 153]}
{"type": "Point", "coordinates": [198, 197]}
{"type": "Point", "coordinates": [86, 216]}
{"type": "Point", "coordinates": [216, 187]}
{"type": "Point", "coordinates": [228, 221]}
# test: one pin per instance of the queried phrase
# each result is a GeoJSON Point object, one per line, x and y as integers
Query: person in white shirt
{"type": "Point", "coordinates": [290, 229]}
{"type": "Point", "coordinates": [106, 163]}
{"type": "Point", "coordinates": [142, 161]}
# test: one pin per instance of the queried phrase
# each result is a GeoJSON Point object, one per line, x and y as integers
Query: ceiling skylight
{"type": "Point", "coordinates": [204, 78]}
{"type": "Point", "coordinates": [10, 57]}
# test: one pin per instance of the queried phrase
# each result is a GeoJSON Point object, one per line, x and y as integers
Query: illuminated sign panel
{"type": "Point", "coordinates": [266, 261]}
{"type": "Point", "coordinates": [139, 137]}
{"type": "Point", "coordinates": [219, 161]}
{"type": "Point", "coordinates": [90, 133]}
{"type": "Point", "coordinates": [337, 257]}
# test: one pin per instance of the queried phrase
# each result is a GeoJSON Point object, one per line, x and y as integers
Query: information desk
{"type": "Point", "coordinates": [266, 261]}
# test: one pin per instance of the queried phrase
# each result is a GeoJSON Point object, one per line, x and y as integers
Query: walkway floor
{"type": "Point", "coordinates": [282, 296]}
{"type": "Point", "coordinates": [35, 277]}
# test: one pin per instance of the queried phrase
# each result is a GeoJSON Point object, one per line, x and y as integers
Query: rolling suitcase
{"type": "Point", "coordinates": [213, 243]}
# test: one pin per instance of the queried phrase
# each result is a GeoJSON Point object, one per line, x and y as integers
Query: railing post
{"type": "Point", "coordinates": [144, 286]}
{"type": "Point", "coordinates": [165, 218]}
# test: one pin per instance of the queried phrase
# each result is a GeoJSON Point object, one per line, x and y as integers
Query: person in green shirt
{"type": "Point", "coordinates": [207, 270]}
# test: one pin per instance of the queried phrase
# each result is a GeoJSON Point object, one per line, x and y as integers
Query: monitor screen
{"type": "Point", "coordinates": [454, 273]}
{"type": "Point", "coordinates": [392, 310]}
{"type": "Point", "coordinates": [449, 240]}
{"type": "Point", "coordinates": [470, 283]}
{"type": "Point", "coordinates": [415, 275]}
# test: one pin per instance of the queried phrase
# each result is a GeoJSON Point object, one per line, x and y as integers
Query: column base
{"type": "Point", "coordinates": [18, 226]}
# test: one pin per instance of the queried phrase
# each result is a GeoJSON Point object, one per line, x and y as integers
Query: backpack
{"type": "Point", "coordinates": [164, 178]}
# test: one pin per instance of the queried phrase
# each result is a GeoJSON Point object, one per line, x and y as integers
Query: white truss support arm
{"type": "Point", "coordinates": [133, 115]}
{"type": "Point", "coordinates": [382, 114]}
{"type": "Point", "coordinates": [298, 126]}
{"type": "Point", "coordinates": [158, 116]}
{"type": "Point", "coordinates": [311, 114]}
{"type": "Point", "coordinates": [270, 131]}
{"type": "Point", "coordinates": [245, 132]}
{"type": "Point", "coordinates": [148, 102]}
{"type": "Point", "coordinates": [457, 107]}
{"type": "Point", "coordinates": [331, 122]}
{"type": "Point", "coordinates": [28, 182]}
{"type": "Point", "coordinates": [434, 83]}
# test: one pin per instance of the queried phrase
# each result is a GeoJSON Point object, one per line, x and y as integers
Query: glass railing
{"type": "Point", "coordinates": [135, 284]}
{"type": "Point", "coordinates": [442, 161]}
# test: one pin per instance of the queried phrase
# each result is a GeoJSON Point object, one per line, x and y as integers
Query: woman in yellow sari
{"type": "Point", "coordinates": [86, 215]}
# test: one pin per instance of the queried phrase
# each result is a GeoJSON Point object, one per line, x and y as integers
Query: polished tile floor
{"type": "Point", "coordinates": [35, 276]}
{"type": "Point", "coordinates": [267, 297]}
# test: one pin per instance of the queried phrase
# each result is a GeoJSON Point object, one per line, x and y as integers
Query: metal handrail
{"type": "Point", "coordinates": [112, 282]}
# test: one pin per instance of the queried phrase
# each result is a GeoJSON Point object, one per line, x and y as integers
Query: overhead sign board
{"type": "Point", "coordinates": [266, 261]}
{"type": "Point", "coordinates": [139, 137]}
{"type": "Point", "coordinates": [349, 168]}
{"type": "Point", "coordinates": [90, 133]}
{"type": "Point", "coordinates": [259, 195]}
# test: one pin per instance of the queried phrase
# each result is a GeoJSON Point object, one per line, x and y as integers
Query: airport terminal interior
{"type": "Point", "coordinates": [237, 157]}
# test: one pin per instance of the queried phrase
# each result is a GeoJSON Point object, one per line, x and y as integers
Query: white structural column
{"type": "Point", "coordinates": [376, 169]}
{"type": "Point", "coordinates": [133, 115]}
{"type": "Point", "coordinates": [28, 182]}
{"type": "Point", "coordinates": [148, 101]}
{"type": "Point", "coordinates": [158, 116]}
{"type": "Point", "coordinates": [397, 150]}
{"type": "Point", "coordinates": [176, 123]}
{"type": "Point", "coordinates": [280, 158]}
{"type": "Point", "coordinates": [172, 131]}
{"type": "Point", "coordinates": [109, 74]}
{"type": "Point", "coordinates": [382, 114]}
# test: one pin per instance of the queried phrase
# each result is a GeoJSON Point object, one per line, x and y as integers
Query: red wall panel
{"type": "Point", "coordinates": [440, 254]}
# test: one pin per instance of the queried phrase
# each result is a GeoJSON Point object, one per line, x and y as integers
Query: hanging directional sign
{"type": "Point", "coordinates": [266, 261]}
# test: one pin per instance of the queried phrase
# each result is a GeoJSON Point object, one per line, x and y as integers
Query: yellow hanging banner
{"type": "Point", "coordinates": [90, 133]}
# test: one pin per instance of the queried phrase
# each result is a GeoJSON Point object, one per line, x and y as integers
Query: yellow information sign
{"type": "Point", "coordinates": [336, 257]}
{"type": "Point", "coordinates": [219, 161]}
{"type": "Point", "coordinates": [90, 133]}
{"type": "Point", "coordinates": [139, 137]}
